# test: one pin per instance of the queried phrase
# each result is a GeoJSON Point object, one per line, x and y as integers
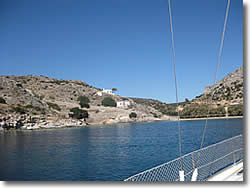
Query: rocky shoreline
{"type": "Point", "coordinates": [27, 122]}
{"type": "Point", "coordinates": [54, 126]}
{"type": "Point", "coordinates": [78, 123]}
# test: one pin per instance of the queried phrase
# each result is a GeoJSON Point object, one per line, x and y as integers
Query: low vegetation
{"type": "Point", "coordinates": [2, 100]}
{"type": "Point", "coordinates": [19, 110]}
{"type": "Point", "coordinates": [83, 105]}
{"type": "Point", "coordinates": [29, 106]}
{"type": "Point", "coordinates": [167, 109]}
{"type": "Point", "coordinates": [132, 115]}
{"type": "Point", "coordinates": [108, 101]}
{"type": "Point", "coordinates": [83, 101]}
{"type": "Point", "coordinates": [78, 113]}
{"type": "Point", "coordinates": [54, 106]}
{"type": "Point", "coordinates": [201, 111]}
{"type": "Point", "coordinates": [235, 110]}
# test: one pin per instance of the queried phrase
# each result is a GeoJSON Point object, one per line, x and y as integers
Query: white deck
{"type": "Point", "coordinates": [229, 174]}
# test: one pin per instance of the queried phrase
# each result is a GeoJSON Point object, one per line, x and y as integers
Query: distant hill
{"type": "Point", "coordinates": [164, 108]}
{"type": "Point", "coordinates": [226, 94]}
{"type": "Point", "coordinates": [224, 98]}
{"type": "Point", "coordinates": [229, 89]}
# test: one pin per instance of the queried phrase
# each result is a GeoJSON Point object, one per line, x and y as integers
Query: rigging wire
{"type": "Point", "coordinates": [176, 90]}
{"type": "Point", "coordinates": [217, 67]}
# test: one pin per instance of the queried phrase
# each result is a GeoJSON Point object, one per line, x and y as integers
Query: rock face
{"type": "Point", "coordinates": [229, 89]}
{"type": "Point", "coordinates": [39, 101]}
{"type": "Point", "coordinates": [224, 99]}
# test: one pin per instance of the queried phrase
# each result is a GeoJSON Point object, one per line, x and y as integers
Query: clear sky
{"type": "Point", "coordinates": [124, 44]}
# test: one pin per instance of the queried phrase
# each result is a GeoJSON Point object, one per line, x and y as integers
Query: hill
{"type": "Point", "coordinates": [225, 98]}
{"type": "Point", "coordinates": [43, 102]}
{"type": "Point", "coordinates": [164, 108]}
{"type": "Point", "coordinates": [229, 89]}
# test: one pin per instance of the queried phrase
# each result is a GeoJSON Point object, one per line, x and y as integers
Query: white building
{"type": "Point", "coordinates": [108, 91]}
{"type": "Point", "coordinates": [123, 104]}
{"type": "Point", "coordinates": [99, 93]}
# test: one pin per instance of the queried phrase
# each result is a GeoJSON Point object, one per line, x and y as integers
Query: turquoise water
{"type": "Point", "coordinates": [103, 153]}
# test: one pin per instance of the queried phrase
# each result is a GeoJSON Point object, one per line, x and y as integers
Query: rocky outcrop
{"type": "Point", "coordinates": [224, 99]}
{"type": "Point", "coordinates": [229, 89]}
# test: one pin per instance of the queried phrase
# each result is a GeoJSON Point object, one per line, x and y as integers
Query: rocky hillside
{"type": "Point", "coordinates": [229, 89]}
{"type": "Point", "coordinates": [43, 101]}
{"type": "Point", "coordinates": [226, 94]}
{"type": "Point", "coordinates": [225, 98]}
{"type": "Point", "coordinates": [164, 108]}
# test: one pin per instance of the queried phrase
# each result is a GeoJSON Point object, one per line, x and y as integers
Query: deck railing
{"type": "Point", "coordinates": [212, 159]}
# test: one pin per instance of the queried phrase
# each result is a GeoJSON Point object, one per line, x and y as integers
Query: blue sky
{"type": "Point", "coordinates": [122, 43]}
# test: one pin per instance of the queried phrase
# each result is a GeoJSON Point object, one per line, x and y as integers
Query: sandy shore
{"type": "Point", "coordinates": [195, 119]}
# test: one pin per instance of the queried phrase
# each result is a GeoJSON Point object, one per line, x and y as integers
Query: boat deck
{"type": "Point", "coordinates": [232, 173]}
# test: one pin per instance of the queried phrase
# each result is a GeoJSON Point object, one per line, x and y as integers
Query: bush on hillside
{"type": "Point", "coordinates": [132, 115]}
{"type": "Point", "coordinates": [84, 101]}
{"type": "Point", "coordinates": [108, 101]}
{"type": "Point", "coordinates": [78, 113]}
{"type": "Point", "coordinates": [235, 110]}
{"type": "Point", "coordinates": [2, 100]}
{"type": "Point", "coordinates": [84, 105]}
{"type": "Point", "coordinates": [200, 111]}
{"type": "Point", "coordinates": [54, 106]}
{"type": "Point", "coordinates": [19, 110]}
{"type": "Point", "coordinates": [29, 106]}
{"type": "Point", "coordinates": [217, 112]}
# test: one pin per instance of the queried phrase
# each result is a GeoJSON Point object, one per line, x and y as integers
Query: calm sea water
{"type": "Point", "coordinates": [100, 153]}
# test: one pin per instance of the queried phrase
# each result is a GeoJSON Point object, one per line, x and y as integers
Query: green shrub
{"type": "Point", "coordinates": [19, 85]}
{"type": "Point", "coordinates": [84, 105]}
{"type": "Point", "coordinates": [19, 110]}
{"type": "Point", "coordinates": [194, 111]}
{"type": "Point", "coordinates": [108, 101]}
{"type": "Point", "coordinates": [54, 106]}
{"type": "Point", "coordinates": [59, 82]}
{"type": "Point", "coordinates": [200, 111]}
{"type": "Point", "coordinates": [132, 115]}
{"type": "Point", "coordinates": [2, 100]}
{"type": "Point", "coordinates": [41, 97]}
{"type": "Point", "coordinates": [235, 110]}
{"type": "Point", "coordinates": [172, 113]}
{"type": "Point", "coordinates": [84, 101]}
{"type": "Point", "coordinates": [78, 113]}
{"type": "Point", "coordinates": [37, 108]}
{"type": "Point", "coordinates": [217, 112]}
{"type": "Point", "coordinates": [52, 97]}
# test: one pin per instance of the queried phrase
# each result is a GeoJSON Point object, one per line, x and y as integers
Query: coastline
{"type": "Point", "coordinates": [35, 128]}
{"type": "Point", "coordinates": [211, 118]}
{"type": "Point", "coordinates": [51, 127]}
